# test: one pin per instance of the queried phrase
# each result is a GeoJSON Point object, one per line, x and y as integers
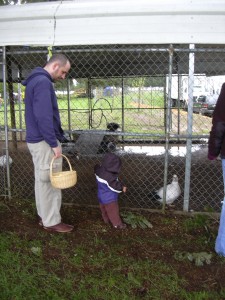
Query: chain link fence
{"type": "Point", "coordinates": [151, 102]}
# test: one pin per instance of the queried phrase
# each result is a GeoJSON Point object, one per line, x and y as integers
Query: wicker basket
{"type": "Point", "coordinates": [64, 179]}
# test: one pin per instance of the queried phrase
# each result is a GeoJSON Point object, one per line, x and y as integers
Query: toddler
{"type": "Point", "coordinates": [109, 187]}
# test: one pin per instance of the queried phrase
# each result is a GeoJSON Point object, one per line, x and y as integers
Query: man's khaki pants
{"type": "Point", "coordinates": [48, 199]}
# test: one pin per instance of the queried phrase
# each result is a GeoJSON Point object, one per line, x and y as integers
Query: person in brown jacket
{"type": "Point", "coordinates": [216, 147]}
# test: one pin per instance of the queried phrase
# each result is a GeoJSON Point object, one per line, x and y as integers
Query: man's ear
{"type": "Point", "coordinates": [55, 66]}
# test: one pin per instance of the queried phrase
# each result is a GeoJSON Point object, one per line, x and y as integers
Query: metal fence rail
{"type": "Point", "coordinates": [150, 91]}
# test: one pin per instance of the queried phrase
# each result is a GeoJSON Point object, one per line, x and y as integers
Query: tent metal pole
{"type": "Point", "coordinates": [189, 128]}
{"type": "Point", "coordinates": [6, 124]}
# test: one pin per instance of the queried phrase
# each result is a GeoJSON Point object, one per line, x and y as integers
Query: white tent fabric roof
{"type": "Point", "coordinates": [95, 22]}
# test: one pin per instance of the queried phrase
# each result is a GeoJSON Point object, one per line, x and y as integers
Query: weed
{"type": "Point", "coordinates": [136, 220]}
{"type": "Point", "coordinates": [204, 224]}
{"type": "Point", "coordinates": [197, 222]}
{"type": "Point", "coordinates": [198, 258]}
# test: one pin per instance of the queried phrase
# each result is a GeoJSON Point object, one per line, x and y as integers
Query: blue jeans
{"type": "Point", "coordinates": [220, 240]}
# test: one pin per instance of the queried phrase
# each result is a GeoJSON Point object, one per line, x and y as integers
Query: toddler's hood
{"type": "Point", "coordinates": [111, 163]}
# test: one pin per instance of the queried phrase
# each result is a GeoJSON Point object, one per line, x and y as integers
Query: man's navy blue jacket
{"type": "Point", "coordinates": [41, 109]}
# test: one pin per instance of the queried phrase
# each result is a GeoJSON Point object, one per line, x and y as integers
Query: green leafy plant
{"type": "Point", "coordinates": [36, 250]}
{"type": "Point", "coordinates": [136, 220]}
{"type": "Point", "coordinates": [199, 258]}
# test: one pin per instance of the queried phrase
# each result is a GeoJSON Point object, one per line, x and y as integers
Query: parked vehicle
{"type": "Point", "coordinates": [197, 105]}
{"type": "Point", "coordinates": [179, 88]}
{"type": "Point", "coordinates": [207, 104]}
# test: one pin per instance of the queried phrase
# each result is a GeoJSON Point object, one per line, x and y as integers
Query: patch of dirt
{"type": "Point", "coordinates": [139, 243]}
{"type": "Point", "coordinates": [139, 105]}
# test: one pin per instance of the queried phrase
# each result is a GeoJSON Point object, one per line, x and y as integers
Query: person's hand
{"type": "Point", "coordinates": [211, 157]}
{"type": "Point", "coordinates": [124, 189]}
{"type": "Point", "coordinates": [57, 151]}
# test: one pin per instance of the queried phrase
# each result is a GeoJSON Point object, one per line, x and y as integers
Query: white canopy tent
{"type": "Point", "coordinates": [115, 38]}
{"type": "Point", "coordinates": [106, 23]}
{"type": "Point", "coordinates": [94, 22]}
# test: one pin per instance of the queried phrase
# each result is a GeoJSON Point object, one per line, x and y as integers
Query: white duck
{"type": "Point", "coordinates": [3, 161]}
{"type": "Point", "coordinates": [173, 191]}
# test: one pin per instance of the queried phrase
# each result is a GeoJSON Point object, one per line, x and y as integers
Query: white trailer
{"type": "Point", "coordinates": [180, 88]}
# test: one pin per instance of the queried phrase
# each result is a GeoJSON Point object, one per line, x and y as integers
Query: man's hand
{"type": "Point", "coordinates": [124, 189]}
{"type": "Point", "coordinates": [57, 151]}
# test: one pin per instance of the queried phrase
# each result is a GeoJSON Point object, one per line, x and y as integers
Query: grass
{"type": "Point", "coordinates": [81, 106]}
{"type": "Point", "coordinates": [96, 263]}
{"type": "Point", "coordinates": [149, 118]}
{"type": "Point", "coordinates": [89, 274]}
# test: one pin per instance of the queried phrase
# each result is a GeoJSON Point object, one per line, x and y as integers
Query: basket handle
{"type": "Point", "coordinates": [57, 157]}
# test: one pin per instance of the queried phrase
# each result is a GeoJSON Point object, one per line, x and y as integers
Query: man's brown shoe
{"type": "Point", "coordinates": [61, 227]}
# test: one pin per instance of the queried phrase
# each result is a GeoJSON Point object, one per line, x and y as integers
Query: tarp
{"type": "Point", "coordinates": [92, 22]}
